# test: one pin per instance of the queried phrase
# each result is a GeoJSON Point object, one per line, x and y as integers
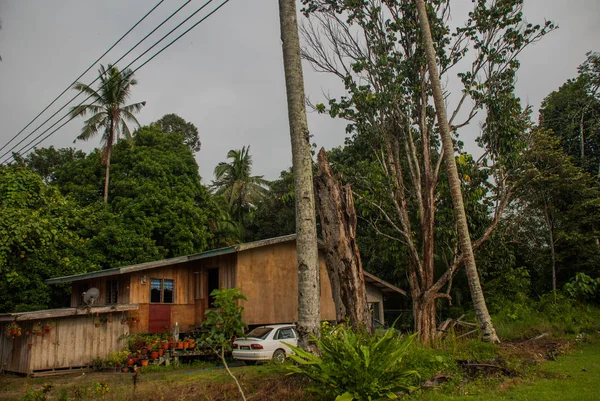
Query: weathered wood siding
{"type": "Point", "coordinates": [375, 295]}
{"type": "Point", "coordinates": [269, 279]}
{"type": "Point", "coordinates": [74, 341]}
{"type": "Point", "coordinates": [78, 287]}
{"type": "Point", "coordinates": [191, 289]}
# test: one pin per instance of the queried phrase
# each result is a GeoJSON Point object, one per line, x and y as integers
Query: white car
{"type": "Point", "coordinates": [265, 343]}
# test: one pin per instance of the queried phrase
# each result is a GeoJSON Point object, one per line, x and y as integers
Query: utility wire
{"type": "Point", "coordinates": [97, 78]}
{"type": "Point", "coordinates": [132, 72]}
{"type": "Point", "coordinates": [82, 74]}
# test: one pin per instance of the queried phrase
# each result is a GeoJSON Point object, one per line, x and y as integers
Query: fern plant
{"type": "Point", "coordinates": [356, 365]}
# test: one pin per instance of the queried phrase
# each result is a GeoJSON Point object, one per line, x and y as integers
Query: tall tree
{"type": "Point", "coordinates": [234, 182]}
{"type": "Point", "coordinates": [564, 201]}
{"type": "Point", "coordinates": [109, 112]}
{"type": "Point", "coordinates": [375, 48]}
{"type": "Point", "coordinates": [306, 225]}
{"type": "Point", "coordinates": [172, 123]}
{"type": "Point", "coordinates": [573, 114]}
{"type": "Point", "coordinates": [483, 316]}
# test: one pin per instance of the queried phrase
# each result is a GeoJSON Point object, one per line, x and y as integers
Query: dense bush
{"type": "Point", "coordinates": [356, 365]}
{"type": "Point", "coordinates": [564, 316]}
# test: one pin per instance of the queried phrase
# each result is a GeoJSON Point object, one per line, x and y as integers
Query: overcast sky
{"type": "Point", "coordinates": [226, 76]}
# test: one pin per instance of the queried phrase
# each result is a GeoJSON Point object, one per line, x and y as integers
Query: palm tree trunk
{"type": "Point", "coordinates": [483, 316]}
{"type": "Point", "coordinates": [107, 160]}
{"type": "Point", "coordinates": [306, 226]}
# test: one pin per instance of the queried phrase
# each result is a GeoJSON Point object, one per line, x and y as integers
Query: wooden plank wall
{"type": "Point", "coordinates": [14, 354]}
{"type": "Point", "coordinates": [74, 341]}
{"type": "Point", "coordinates": [191, 291]}
{"type": "Point", "coordinates": [79, 286]}
{"type": "Point", "coordinates": [269, 279]}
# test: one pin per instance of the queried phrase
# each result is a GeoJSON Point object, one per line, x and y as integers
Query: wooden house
{"type": "Point", "coordinates": [173, 291]}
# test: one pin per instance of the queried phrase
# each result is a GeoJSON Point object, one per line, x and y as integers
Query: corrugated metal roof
{"type": "Point", "coordinates": [370, 278]}
{"type": "Point", "coordinates": [171, 261]}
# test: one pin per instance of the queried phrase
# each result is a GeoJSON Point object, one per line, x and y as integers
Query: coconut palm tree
{"type": "Point", "coordinates": [481, 311]}
{"type": "Point", "coordinates": [109, 114]}
{"type": "Point", "coordinates": [234, 182]}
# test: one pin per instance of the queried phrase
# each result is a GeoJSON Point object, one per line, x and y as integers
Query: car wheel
{"type": "Point", "coordinates": [279, 357]}
{"type": "Point", "coordinates": [250, 363]}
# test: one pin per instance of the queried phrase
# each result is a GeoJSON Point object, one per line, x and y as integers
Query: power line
{"type": "Point", "coordinates": [97, 78]}
{"type": "Point", "coordinates": [82, 74]}
{"type": "Point", "coordinates": [132, 72]}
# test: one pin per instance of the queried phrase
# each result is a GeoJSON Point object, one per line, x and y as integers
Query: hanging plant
{"type": "Point", "coordinates": [13, 330]}
{"type": "Point", "coordinates": [48, 326]}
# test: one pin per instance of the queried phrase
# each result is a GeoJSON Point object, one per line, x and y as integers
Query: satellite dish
{"type": "Point", "coordinates": [90, 296]}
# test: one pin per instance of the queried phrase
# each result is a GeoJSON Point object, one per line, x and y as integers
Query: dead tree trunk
{"type": "Point", "coordinates": [306, 225]}
{"type": "Point", "coordinates": [344, 266]}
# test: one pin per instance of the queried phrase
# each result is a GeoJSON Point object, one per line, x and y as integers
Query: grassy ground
{"type": "Point", "coordinates": [264, 382]}
{"type": "Point", "coordinates": [571, 377]}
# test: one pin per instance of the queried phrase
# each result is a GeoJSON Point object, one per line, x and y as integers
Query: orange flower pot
{"type": "Point", "coordinates": [144, 362]}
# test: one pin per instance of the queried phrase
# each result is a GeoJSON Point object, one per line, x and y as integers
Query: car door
{"type": "Point", "coordinates": [287, 335]}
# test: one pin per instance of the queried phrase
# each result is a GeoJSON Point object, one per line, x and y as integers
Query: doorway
{"type": "Point", "coordinates": [213, 284]}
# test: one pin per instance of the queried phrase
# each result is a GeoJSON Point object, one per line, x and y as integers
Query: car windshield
{"type": "Point", "coordinates": [260, 332]}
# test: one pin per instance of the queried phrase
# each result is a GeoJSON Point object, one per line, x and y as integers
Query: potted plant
{"type": "Point", "coordinates": [154, 351]}
{"type": "Point", "coordinates": [37, 331]}
{"type": "Point", "coordinates": [13, 330]}
{"type": "Point", "coordinates": [144, 361]}
{"type": "Point", "coordinates": [180, 344]}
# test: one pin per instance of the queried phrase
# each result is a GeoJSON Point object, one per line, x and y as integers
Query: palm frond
{"type": "Point", "coordinates": [87, 90]}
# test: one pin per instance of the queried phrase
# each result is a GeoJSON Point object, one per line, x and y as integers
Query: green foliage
{"type": "Point", "coordinates": [582, 287]}
{"type": "Point", "coordinates": [38, 240]}
{"type": "Point", "coordinates": [38, 395]}
{"type": "Point", "coordinates": [234, 182]}
{"type": "Point", "coordinates": [173, 124]}
{"type": "Point", "coordinates": [224, 321]}
{"type": "Point", "coordinates": [573, 111]}
{"type": "Point", "coordinates": [275, 214]}
{"type": "Point", "coordinates": [559, 206]}
{"type": "Point", "coordinates": [356, 366]}
{"type": "Point", "coordinates": [564, 317]}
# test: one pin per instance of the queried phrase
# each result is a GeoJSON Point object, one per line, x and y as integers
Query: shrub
{"type": "Point", "coordinates": [582, 287]}
{"type": "Point", "coordinates": [356, 365]}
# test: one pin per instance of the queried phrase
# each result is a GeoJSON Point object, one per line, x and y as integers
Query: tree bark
{"type": "Point", "coordinates": [550, 226]}
{"type": "Point", "coordinates": [107, 160]}
{"type": "Point", "coordinates": [306, 228]}
{"type": "Point", "coordinates": [581, 139]}
{"type": "Point", "coordinates": [425, 319]}
{"type": "Point", "coordinates": [344, 266]}
{"type": "Point", "coordinates": [483, 316]}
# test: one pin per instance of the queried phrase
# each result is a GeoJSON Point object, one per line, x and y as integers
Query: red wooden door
{"type": "Point", "coordinates": [159, 317]}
